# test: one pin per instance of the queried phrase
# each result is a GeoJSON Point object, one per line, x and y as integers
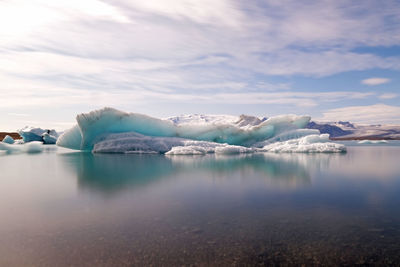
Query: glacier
{"type": "Point", "coordinates": [112, 131]}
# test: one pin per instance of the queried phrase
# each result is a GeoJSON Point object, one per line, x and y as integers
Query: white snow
{"type": "Point", "coordinates": [112, 131]}
{"type": "Point", "coordinates": [8, 139]}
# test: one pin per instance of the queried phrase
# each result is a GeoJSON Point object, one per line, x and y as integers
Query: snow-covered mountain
{"type": "Point", "coordinates": [347, 130]}
{"type": "Point", "coordinates": [336, 130]}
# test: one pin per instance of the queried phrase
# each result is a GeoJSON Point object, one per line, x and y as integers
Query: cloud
{"type": "Point", "coordinates": [372, 114]}
{"type": "Point", "coordinates": [375, 81]}
{"type": "Point", "coordinates": [388, 96]}
{"type": "Point", "coordinates": [18, 114]}
{"type": "Point", "coordinates": [202, 12]}
{"type": "Point", "coordinates": [116, 52]}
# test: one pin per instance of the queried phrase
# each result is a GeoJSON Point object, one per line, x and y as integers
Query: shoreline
{"type": "Point", "coordinates": [14, 135]}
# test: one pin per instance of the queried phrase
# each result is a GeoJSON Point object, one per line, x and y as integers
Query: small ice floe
{"type": "Point", "coordinates": [308, 144]}
{"type": "Point", "coordinates": [8, 139]}
{"type": "Point", "coordinates": [368, 142]}
{"type": "Point", "coordinates": [31, 147]}
{"type": "Point", "coordinates": [49, 139]}
{"type": "Point", "coordinates": [31, 134]}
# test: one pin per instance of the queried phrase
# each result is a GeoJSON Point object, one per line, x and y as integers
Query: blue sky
{"type": "Point", "coordinates": [333, 60]}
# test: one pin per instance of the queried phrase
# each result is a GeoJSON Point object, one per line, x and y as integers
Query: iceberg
{"type": "Point", "coordinates": [8, 139]}
{"type": "Point", "coordinates": [49, 139]}
{"type": "Point", "coordinates": [112, 131]}
{"type": "Point", "coordinates": [31, 134]}
{"type": "Point", "coordinates": [308, 144]}
{"type": "Point", "coordinates": [31, 147]}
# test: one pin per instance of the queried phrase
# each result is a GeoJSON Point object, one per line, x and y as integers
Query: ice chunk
{"type": "Point", "coordinates": [373, 142]}
{"type": "Point", "coordinates": [30, 134]}
{"type": "Point", "coordinates": [288, 135]}
{"type": "Point", "coordinates": [10, 148]}
{"type": "Point", "coordinates": [187, 150]}
{"type": "Point", "coordinates": [202, 148]}
{"type": "Point", "coordinates": [137, 143]}
{"type": "Point", "coordinates": [31, 147]}
{"type": "Point", "coordinates": [71, 138]}
{"type": "Point", "coordinates": [8, 139]}
{"type": "Point", "coordinates": [49, 139]}
{"type": "Point", "coordinates": [307, 144]}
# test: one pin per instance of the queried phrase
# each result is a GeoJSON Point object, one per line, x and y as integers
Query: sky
{"type": "Point", "coordinates": [333, 60]}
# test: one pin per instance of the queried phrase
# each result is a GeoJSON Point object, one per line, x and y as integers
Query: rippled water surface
{"type": "Point", "coordinates": [59, 208]}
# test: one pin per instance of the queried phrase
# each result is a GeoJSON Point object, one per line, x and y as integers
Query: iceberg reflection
{"type": "Point", "coordinates": [112, 172]}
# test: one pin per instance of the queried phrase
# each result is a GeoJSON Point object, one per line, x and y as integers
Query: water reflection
{"type": "Point", "coordinates": [109, 172]}
{"type": "Point", "coordinates": [112, 172]}
{"type": "Point", "coordinates": [261, 209]}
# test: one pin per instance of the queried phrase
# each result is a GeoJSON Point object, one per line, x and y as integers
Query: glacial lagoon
{"type": "Point", "coordinates": [62, 208]}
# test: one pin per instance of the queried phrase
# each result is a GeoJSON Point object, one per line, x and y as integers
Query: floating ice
{"type": "Point", "coordinates": [8, 139]}
{"type": "Point", "coordinates": [137, 143]}
{"type": "Point", "coordinates": [9, 147]}
{"type": "Point", "coordinates": [30, 134]}
{"type": "Point", "coordinates": [373, 142]}
{"type": "Point", "coordinates": [49, 139]}
{"type": "Point", "coordinates": [112, 131]}
{"type": "Point", "coordinates": [31, 147]}
{"type": "Point", "coordinates": [307, 144]}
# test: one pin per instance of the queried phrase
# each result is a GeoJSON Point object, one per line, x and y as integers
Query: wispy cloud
{"type": "Point", "coordinates": [92, 52]}
{"type": "Point", "coordinates": [372, 114]}
{"type": "Point", "coordinates": [18, 114]}
{"type": "Point", "coordinates": [375, 81]}
{"type": "Point", "coordinates": [388, 96]}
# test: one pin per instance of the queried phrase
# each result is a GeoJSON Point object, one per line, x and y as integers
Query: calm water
{"type": "Point", "coordinates": [80, 209]}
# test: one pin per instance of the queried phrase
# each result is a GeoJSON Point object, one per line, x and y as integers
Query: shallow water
{"type": "Point", "coordinates": [59, 209]}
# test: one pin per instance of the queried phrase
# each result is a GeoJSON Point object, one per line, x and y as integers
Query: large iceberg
{"type": "Point", "coordinates": [112, 131]}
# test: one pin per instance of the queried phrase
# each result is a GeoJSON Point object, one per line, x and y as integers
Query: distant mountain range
{"type": "Point", "coordinates": [344, 130]}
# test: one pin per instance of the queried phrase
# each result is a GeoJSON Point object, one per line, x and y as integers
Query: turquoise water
{"type": "Point", "coordinates": [59, 208]}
